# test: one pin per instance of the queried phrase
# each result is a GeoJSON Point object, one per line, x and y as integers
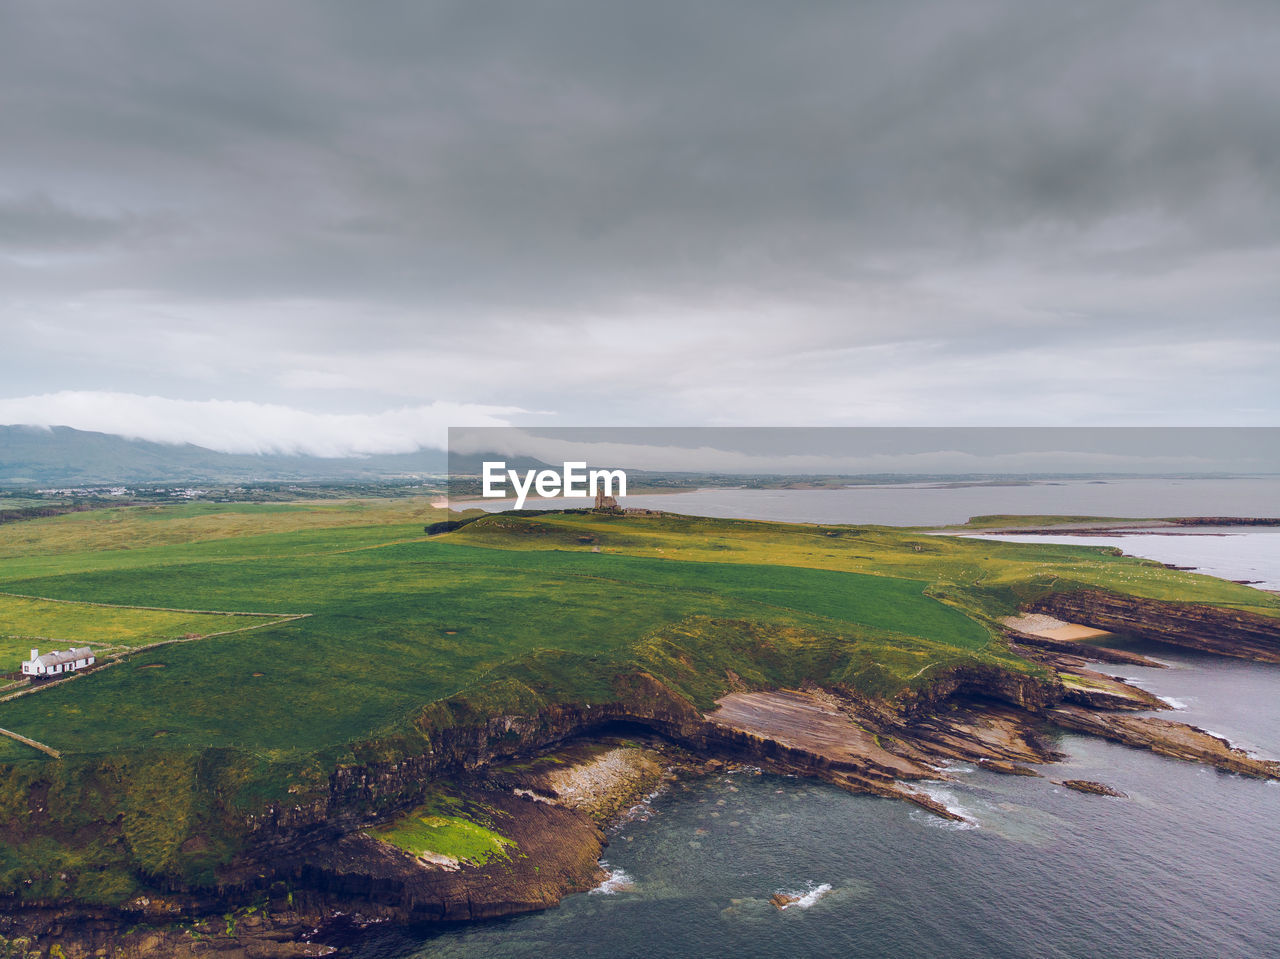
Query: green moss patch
{"type": "Point", "coordinates": [436, 831]}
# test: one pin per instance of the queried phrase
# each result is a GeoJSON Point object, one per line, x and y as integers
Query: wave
{"type": "Point", "coordinates": [1170, 701]}
{"type": "Point", "coordinates": [617, 881]}
{"type": "Point", "coordinates": [1245, 748]}
{"type": "Point", "coordinates": [939, 793]}
{"type": "Point", "coordinates": [642, 811]}
{"type": "Point", "coordinates": [803, 899]}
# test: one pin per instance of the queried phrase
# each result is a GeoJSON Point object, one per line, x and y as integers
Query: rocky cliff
{"type": "Point", "coordinates": [1213, 629]}
{"type": "Point", "coordinates": [315, 857]}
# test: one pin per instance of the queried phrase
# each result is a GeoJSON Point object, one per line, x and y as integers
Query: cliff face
{"type": "Point", "coordinates": [318, 848]}
{"type": "Point", "coordinates": [988, 682]}
{"type": "Point", "coordinates": [1227, 632]}
{"type": "Point", "coordinates": [38, 932]}
{"type": "Point", "coordinates": [558, 854]}
{"type": "Point", "coordinates": [358, 794]}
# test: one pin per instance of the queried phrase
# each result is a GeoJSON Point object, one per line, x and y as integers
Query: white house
{"type": "Point", "coordinates": [58, 663]}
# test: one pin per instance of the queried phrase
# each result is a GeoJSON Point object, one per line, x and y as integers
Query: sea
{"type": "Point", "coordinates": [1188, 865]}
{"type": "Point", "coordinates": [944, 504]}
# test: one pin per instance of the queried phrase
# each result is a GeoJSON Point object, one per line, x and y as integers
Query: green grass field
{"type": "Point", "coordinates": [397, 625]}
{"type": "Point", "coordinates": [397, 620]}
{"type": "Point", "coordinates": [28, 622]}
{"type": "Point", "coordinates": [502, 616]}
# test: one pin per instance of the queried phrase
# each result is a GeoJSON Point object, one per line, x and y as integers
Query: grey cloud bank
{"type": "Point", "coordinates": [873, 213]}
{"type": "Point", "coordinates": [881, 450]}
{"type": "Point", "coordinates": [245, 427]}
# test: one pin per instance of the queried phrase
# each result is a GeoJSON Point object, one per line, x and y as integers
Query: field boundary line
{"type": "Point", "coordinates": [154, 609]}
{"type": "Point", "coordinates": [358, 549]}
{"type": "Point", "coordinates": [286, 618]}
{"type": "Point", "coordinates": [31, 742]}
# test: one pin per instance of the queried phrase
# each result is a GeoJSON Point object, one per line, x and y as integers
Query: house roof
{"type": "Point", "coordinates": [64, 656]}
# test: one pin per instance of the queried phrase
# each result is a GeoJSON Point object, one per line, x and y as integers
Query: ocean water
{"type": "Point", "coordinates": [1187, 866]}
{"type": "Point", "coordinates": [924, 504]}
{"type": "Point", "coordinates": [1232, 552]}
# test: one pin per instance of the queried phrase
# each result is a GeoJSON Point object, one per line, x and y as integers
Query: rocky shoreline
{"type": "Point", "coordinates": [1210, 629]}
{"type": "Point", "coordinates": [1110, 527]}
{"type": "Point", "coordinates": [552, 784]}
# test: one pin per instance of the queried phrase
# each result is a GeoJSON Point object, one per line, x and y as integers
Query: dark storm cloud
{"type": "Point", "coordinates": [783, 187]}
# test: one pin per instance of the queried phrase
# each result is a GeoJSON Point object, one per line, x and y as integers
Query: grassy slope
{"type": "Point", "coordinates": [398, 620]}
{"type": "Point", "coordinates": [395, 626]}
{"type": "Point", "coordinates": [973, 566]}
{"type": "Point", "coordinates": [508, 612]}
{"type": "Point", "coordinates": [27, 623]}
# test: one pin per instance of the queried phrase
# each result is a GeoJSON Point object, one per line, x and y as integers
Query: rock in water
{"type": "Point", "coordinates": [1088, 786]}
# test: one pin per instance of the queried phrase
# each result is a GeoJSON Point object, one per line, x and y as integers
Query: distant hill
{"type": "Point", "coordinates": [61, 456]}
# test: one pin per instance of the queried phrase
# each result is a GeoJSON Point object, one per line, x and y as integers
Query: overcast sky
{"type": "Point", "coordinates": [876, 450]}
{"type": "Point", "coordinates": [303, 225]}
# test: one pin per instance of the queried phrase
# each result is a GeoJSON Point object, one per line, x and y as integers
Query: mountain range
{"type": "Point", "coordinates": [61, 456]}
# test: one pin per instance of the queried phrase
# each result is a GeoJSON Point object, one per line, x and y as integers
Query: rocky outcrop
{"type": "Point", "coordinates": [869, 751]}
{"type": "Point", "coordinates": [46, 931]}
{"type": "Point", "coordinates": [556, 851]}
{"type": "Point", "coordinates": [1110, 527]}
{"type": "Point", "coordinates": [1094, 788]}
{"type": "Point", "coordinates": [987, 682]}
{"type": "Point", "coordinates": [1006, 768]}
{"type": "Point", "coordinates": [1226, 521]}
{"type": "Point", "coordinates": [1089, 688]}
{"type": "Point", "coordinates": [1085, 651]}
{"type": "Point", "coordinates": [821, 736]}
{"type": "Point", "coordinates": [550, 809]}
{"type": "Point", "coordinates": [1213, 629]}
{"type": "Point", "coordinates": [1165, 737]}
{"type": "Point", "coordinates": [600, 779]}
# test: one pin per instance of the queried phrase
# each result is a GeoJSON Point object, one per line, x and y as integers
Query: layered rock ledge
{"type": "Point", "coordinates": [1211, 629]}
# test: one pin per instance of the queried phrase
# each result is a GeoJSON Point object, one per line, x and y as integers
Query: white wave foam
{"type": "Point", "coordinates": [1243, 747]}
{"type": "Point", "coordinates": [642, 811]}
{"type": "Point", "coordinates": [1144, 684]}
{"type": "Point", "coordinates": [806, 898]}
{"type": "Point", "coordinates": [944, 796]}
{"type": "Point", "coordinates": [617, 881]}
{"type": "Point", "coordinates": [937, 822]}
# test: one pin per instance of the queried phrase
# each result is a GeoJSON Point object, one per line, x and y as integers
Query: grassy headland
{"type": "Point", "coordinates": [170, 752]}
